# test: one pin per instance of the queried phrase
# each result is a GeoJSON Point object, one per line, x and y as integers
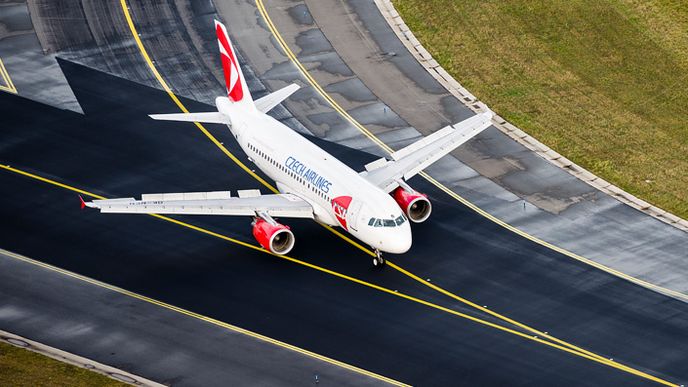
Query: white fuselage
{"type": "Point", "coordinates": [339, 196]}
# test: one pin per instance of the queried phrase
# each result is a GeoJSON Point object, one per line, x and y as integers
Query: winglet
{"type": "Point", "coordinates": [87, 204]}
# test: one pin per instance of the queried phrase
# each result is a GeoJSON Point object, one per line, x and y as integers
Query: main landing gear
{"type": "Point", "coordinates": [378, 262]}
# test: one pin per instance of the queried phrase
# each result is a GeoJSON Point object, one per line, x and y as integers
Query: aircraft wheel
{"type": "Point", "coordinates": [378, 261]}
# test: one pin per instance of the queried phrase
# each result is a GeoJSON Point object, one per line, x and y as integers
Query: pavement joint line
{"type": "Point", "coordinates": [343, 112]}
{"type": "Point", "coordinates": [565, 347]}
{"type": "Point", "coordinates": [409, 40]}
{"type": "Point", "coordinates": [290, 54]}
{"type": "Point", "coordinates": [70, 358]}
{"type": "Point", "coordinates": [9, 85]}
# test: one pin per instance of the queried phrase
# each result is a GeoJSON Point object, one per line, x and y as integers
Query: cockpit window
{"type": "Point", "coordinates": [375, 222]}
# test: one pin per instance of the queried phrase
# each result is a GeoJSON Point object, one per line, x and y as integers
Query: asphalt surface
{"type": "Point", "coordinates": [346, 46]}
{"type": "Point", "coordinates": [348, 43]}
{"type": "Point", "coordinates": [115, 150]}
{"type": "Point", "coordinates": [136, 335]}
{"type": "Point", "coordinates": [33, 70]}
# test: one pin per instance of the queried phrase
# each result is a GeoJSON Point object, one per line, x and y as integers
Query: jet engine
{"type": "Point", "coordinates": [415, 204]}
{"type": "Point", "coordinates": [273, 236]}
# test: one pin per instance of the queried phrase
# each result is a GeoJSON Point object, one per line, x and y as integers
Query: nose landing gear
{"type": "Point", "coordinates": [378, 262]}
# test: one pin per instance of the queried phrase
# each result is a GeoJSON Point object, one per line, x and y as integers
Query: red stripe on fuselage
{"type": "Point", "coordinates": [340, 205]}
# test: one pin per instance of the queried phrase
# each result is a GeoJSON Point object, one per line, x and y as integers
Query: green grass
{"type": "Point", "coordinates": [20, 367]}
{"type": "Point", "coordinates": [601, 82]}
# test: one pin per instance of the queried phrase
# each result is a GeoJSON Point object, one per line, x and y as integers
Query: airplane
{"type": "Point", "coordinates": [375, 205]}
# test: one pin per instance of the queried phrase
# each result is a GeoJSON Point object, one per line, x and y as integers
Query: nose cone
{"type": "Point", "coordinates": [397, 241]}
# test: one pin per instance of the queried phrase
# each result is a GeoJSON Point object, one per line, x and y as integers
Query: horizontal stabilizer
{"type": "Point", "coordinates": [271, 100]}
{"type": "Point", "coordinates": [206, 118]}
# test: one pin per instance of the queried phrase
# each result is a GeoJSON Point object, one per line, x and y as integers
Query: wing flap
{"type": "Point", "coordinates": [187, 196]}
{"type": "Point", "coordinates": [401, 153]}
{"type": "Point", "coordinates": [208, 203]}
{"type": "Point", "coordinates": [410, 160]}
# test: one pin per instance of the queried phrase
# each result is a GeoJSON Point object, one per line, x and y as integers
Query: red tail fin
{"type": "Point", "coordinates": [234, 79]}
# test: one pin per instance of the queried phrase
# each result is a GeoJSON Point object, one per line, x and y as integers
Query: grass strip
{"type": "Point", "coordinates": [601, 82]}
{"type": "Point", "coordinates": [20, 367]}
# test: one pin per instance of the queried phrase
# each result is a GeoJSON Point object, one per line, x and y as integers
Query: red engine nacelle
{"type": "Point", "coordinates": [415, 204]}
{"type": "Point", "coordinates": [274, 237]}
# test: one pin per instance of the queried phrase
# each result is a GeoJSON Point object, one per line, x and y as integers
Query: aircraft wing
{"type": "Point", "coordinates": [409, 161]}
{"type": "Point", "coordinates": [248, 203]}
{"type": "Point", "coordinates": [209, 117]}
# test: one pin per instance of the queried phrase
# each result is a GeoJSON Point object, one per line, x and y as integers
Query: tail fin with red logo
{"type": "Point", "coordinates": [237, 91]}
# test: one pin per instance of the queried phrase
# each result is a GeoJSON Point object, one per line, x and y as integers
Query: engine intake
{"type": "Point", "coordinates": [275, 237]}
{"type": "Point", "coordinates": [415, 204]}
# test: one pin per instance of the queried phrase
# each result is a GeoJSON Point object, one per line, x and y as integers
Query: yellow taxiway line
{"type": "Point", "coordinates": [570, 348]}
{"type": "Point", "coordinates": [333, 103]}
{"type": "Point", "coordinates": [290, 54]}
{"type": "Point", "coordinates": [9, 86]}
{"type": "Point", "coordinates": [535, 338]}
{"type": "Point", "coordinates": [210, 320]}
